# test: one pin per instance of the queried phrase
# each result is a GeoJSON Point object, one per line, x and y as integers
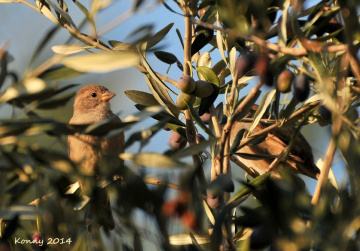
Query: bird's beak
{"type": "Point", "coordinates": [106, 96]}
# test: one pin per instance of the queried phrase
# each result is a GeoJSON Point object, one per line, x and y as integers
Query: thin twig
{"type": "Point", "coordinates": [324, 171]}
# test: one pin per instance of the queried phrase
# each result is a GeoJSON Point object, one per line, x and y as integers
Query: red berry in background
{"type": "Point", "coordinates": [40, 243]}
{"type": "Point", "coordinates": [5, 245]}
{"type": "Point", "coordinates": [189, 220]}
{"type": "Point", "coordinates": [176, 141]}
{"type": "Point", "coordinates": [205, 117]}
{"type": "Point", "coordinates": [186, 84]}
{"type": "Point", "coordinates": [300, 88]}
{"type": "Point", "coordinates": [174, 208]}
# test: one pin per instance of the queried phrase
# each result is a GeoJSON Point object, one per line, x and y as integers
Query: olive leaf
{"type": "Point", "coordinates": [260, 111]}
{"type": "Point", "coordinates": [60, 72]}
{"type": "Point", "coordinates": [102, 62]}
{"type": "Point", "coordinates": [194, 149]}
{"type": "Point", "coordinates": [166, 57]}
{"type": "Point", "coordinates": [198, 120]}
{"type": "Point", "coordinates": [246, 189]}
{"type": "Point", "coordinates": [153, 160]}
{"type": "Point", "coordinates": [142, 98]}
{"type": "Point", "coordinates": [157, 37]}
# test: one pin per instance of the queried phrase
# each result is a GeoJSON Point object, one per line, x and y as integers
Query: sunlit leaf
{"type": "Point", "coordinates": [102, 62]}
{"type": "Point", "coordinates": [152, 160]}
{"type": "Point", "coordinates": [263, 106]}
{"type": "Point", "coordinates": [30, 86]}
{"type": "Point", "coordinates": [185, 239]}
{"type": "Point", "coordinates": [69, 49]}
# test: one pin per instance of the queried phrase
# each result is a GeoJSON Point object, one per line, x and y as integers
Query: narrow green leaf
{"type": "Point", "coordinates": [166, 57]}
{"type": "Point", "coordinates": [164, 115]}
{"type": "Point", "coordinates": [158, 36]}
{"type": "Point", "coordinates": [244, 190]}
{"type": "Point", "coordinates": [195, 116]}
{"type": "Point", "coordinates": [194, 149]}
{"type": "Point", "coordinates": [236, 142]}
{"type": "Point", "coordinates": [55, 103]}
{"type": "Point", "coordinates": [142, 98]}
{"type": "Point", "coordinates": [156, 78]}
{"type": "Point", "coordinates": [208, 74]}
{"type": "Point", "coordinates": [203, 37]}
{"type": "Point", "coordinates": [145, 113]}
{"type": "Point", "coordinates": [153, 160]}
{"type": "Point", "coordinates": [83, 9]}
{"type": "Point", "coordinates": [102, 62]}
{"type": "Point", "coordinates": [62, 12]}
{"type": "Point", "coordinates": [255, 156]}
{"type": "Point", "coordinates": [60, 72]}
{"type": "Point", "coordinates": [264, 104]}
{"type": "Point", "coordinates": [159, 95]}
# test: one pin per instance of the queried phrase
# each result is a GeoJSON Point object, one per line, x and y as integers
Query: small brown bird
{"type": "Point", "coordinates": [91, 152]}
{"type": "Point", "coordinates": [300, 159]}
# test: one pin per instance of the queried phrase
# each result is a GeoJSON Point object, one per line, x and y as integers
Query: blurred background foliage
{"type": "Point", "coordinates": [165, 198]}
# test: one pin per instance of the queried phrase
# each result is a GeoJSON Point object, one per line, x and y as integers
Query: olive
{"type": "Point", "coordinates": [284, 80]}
{"type": "Point", "coordinates": [244, 63]}
{"type": "Point", "coordinates": [182, 97]}
{"type": "Point", "coordinates": [176, 141]}
{"type": "Point", "coordinates": [300, 88]}
{"type": "Point", "coordinates": [324, 113]}
{"type": "Point", "coordinates": [186, 84]}
{"type": "Point", "coordinates": [203, 89]}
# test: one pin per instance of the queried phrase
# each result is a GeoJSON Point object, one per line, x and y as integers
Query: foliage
{"type": "Point", "coordinates": [318, 43]}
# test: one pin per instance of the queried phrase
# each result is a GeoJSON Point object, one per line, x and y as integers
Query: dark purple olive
{"type": "Point", "coordinates": [244, 63]}
{"type": "Point", "coordinates": [203, 89]}
{"type": "Point", "coordinates": [186, 84]}
{"type": "Point", "coordinates": [262, 67]}
{"type": "Point", "coordinates": [182, 97]}
{"type": "Point", "coordinates": [259, 238]}
{"type": "Point", "coordinates": [300, 88]}
{"type": "Point", "coordinates": [199, 138]}
{"type": "Point", "coordinates": [284, 80]}
{"type": "Point", "coordinates": [176, 141]}
{"type": "Point", "coordinates": [324, 113]}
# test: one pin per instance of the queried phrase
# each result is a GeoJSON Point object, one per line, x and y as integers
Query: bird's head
{"type": "Point", "coordinates": [92, 97]}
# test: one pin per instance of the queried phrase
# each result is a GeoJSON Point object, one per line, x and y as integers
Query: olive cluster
{"type": "Point", "coordinates": [190, 89]}
{"type": "Point", "coordinates": [286, 80]}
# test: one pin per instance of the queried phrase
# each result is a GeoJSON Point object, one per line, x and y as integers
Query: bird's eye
{"type": "Point", "coordinates": [93, 94]}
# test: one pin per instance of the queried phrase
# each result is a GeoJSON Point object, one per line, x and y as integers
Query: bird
{"type": "Point", "coordinates": [300, 159]}
{"type": "Point", "coordinates": [93, 153]}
